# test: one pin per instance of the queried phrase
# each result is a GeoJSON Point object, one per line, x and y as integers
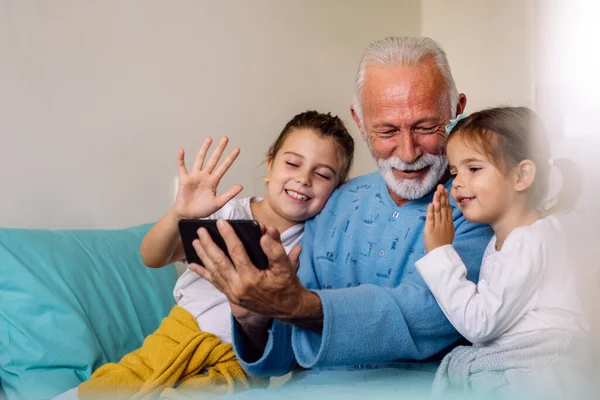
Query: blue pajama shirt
{"type": "Point", "coordinates": [358, 256]}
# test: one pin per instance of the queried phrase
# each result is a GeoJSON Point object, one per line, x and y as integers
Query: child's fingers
{"type": "Point", "coordinates": [444, 205]}
{"type": "Point", "coordinates": [442, 192]}
{"type": "Point", "coordinates": [221, 169]}
{"type": "Point", "coordinates": [216, 155]}
{"type": "Point", "coordinates": [181, 163]}
{"type": "Point", "coordinates": [202, 154]}
{"type": "Point", "coordinates": [448, 209]}
{"type": "Point", "coordinates": [436, 201]}
{"type": "Point", "coordinates": [228, 195]}
{"type": "Point", "coordinates": [430, 219]}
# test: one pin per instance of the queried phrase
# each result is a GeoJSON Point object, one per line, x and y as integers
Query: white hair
{"type": "Point", "coordinates": [396, 50]}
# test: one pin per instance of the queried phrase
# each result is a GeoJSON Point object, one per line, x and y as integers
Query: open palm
{"type": "Point", "coordinates": [197, 192]}
{"type": "Point", "coordinates": [439, 224]}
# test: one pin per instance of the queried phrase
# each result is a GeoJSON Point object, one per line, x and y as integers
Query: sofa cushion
{"type": "Point", "coordinates": [72, 300]}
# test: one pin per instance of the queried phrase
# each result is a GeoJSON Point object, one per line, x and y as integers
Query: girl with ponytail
{"type": "Point", "coordinates": [524, 311]}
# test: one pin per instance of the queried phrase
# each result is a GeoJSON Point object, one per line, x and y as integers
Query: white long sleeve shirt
{"type": "Point", "coordinates": [527, 286]}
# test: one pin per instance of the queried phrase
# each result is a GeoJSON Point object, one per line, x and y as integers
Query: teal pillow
{"type": "Point", "coordinates": [72, 300]}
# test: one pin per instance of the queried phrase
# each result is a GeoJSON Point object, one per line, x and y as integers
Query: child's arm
{"type": "Point", "coordinates": [484, 311]}
{"type": "Point", "coordinates": [196, 198]}
{"type": "Point", "coordinates": [162, 244]}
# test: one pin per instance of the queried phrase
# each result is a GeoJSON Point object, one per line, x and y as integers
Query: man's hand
{"type": "Point", "coordinates": [439, 226]}
{"type": "Point", "coordinates": [275, 292]}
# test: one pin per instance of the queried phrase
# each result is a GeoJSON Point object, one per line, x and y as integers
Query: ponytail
{"type": "Point", "coordinates": [572, 184]}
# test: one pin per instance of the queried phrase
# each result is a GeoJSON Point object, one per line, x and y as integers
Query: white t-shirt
{"type": "Point", "coordinates": [527, 286]}
{"type": "Point", "coordinates": [200, 298]}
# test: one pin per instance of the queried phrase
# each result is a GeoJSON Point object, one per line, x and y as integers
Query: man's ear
{"type": "Point", "coordinates": [357, 122]}
{"type": "Point", "coordinates": [525, 175]}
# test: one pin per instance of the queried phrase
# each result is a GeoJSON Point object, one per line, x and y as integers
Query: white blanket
{"type": "Point", "coordinates": [528, 364]}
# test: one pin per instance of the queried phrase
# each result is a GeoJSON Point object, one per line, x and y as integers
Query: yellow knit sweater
{"type": "Point", "coordinates": [175, 361]}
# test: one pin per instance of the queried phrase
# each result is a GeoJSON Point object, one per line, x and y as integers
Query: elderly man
{"type": "Point", "coordinates": [357, 299]}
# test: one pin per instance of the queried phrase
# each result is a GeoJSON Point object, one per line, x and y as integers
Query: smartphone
{"type": "Point", "coordinates": [248, 231]}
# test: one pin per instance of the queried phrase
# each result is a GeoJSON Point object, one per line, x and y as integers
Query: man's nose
{"type": "Point", "coordinates": [408, 149]}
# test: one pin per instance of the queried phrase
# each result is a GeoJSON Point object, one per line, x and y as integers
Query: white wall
{"type": "Point", "coordinates": [489, 47]}
{"type": "Point", "coordinates": [97, 96]}
{"type": "Point", "coordinates": [567, 66]}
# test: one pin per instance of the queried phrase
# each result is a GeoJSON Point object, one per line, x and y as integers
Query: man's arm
{"type": "Point", "coordinates": [276, 357]}
{"type": "Point", "coordinates": [253, 332]}
{"type": "Point", "coordinates": [259, 296]}
{"type": "Point", "coordinates": [370, 324]}
{"type": "Point", "coordinates": [309, 314]}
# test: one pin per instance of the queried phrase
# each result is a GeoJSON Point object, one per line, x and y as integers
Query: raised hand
{"type": "Point", "coordinates": [439, 226]}
{"type": "Point", "coordinates": [197, 192]}
{"type": "Point", "coordinates": [274, 292]}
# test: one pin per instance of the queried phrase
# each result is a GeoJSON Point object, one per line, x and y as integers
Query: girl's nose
{"type": "Point", "coordinates": [303, 178]}
{"type": "Point", "coordinates": [457, 182]}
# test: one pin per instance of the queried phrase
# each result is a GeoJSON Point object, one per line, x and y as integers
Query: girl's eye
{"type": "Point", "coordinates": [291, 164]}
{"type": "Point", "coordinates": [474, 169]}
{"type": "Point", "coordinates": [326, 177]}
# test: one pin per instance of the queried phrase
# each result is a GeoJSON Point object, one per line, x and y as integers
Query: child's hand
{"type": "Point", "coordinates": [439, 226]}
{"type": "Point", "coordinates": [197, 193]}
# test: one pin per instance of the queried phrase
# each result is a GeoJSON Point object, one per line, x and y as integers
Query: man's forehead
{"type": "Point", "coordinates": [403, 81]}
{"type": "Point", "coordinates": [402, 92]}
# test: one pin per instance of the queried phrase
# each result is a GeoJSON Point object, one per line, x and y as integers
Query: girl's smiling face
{"type": "Point", "coordinates": [481, 190]}
{"type": "Point", "coordinates": [302, 175]}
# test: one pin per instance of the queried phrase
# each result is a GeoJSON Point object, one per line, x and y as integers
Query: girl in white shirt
{"type": "Point", "coordinates": [524, 311]}
{"type": "Point", "coordinates": [310, 158]}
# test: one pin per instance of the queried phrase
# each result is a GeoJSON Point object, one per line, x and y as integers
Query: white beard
{"type": "Point", "coordinates": [412, 189]}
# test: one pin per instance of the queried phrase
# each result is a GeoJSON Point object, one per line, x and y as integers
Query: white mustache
{"type": "Point", "coordinates": [424, 161]}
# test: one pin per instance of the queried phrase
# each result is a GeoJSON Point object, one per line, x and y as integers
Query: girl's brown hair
{"type": "Point", "coordinates": [327, 126]}
{"type": "Point", "coordinates": [509, 135]}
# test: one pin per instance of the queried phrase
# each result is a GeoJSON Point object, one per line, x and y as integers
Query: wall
{"type": "Point", "coordinates": [96, 97]}
{"type": "Point", "coordinates": [568, 84]}
{"type": "Point", "coordinates": [489, 46]}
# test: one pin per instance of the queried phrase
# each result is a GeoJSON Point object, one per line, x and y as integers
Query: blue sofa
{"type": "Point", "coordinates": [70, 301]}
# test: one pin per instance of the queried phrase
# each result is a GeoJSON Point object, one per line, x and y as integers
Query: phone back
{"type": "Point", "coordinates": [248, 231]}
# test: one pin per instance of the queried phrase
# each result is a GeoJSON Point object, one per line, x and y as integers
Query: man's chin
{"type": "Point", "coordinates": [413, 185]}
{"type": "Point", "coordinates": [408, 189]}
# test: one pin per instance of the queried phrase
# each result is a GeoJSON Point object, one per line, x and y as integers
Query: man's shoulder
{"type": "Point", "coordinates": [350, 192]}
{"type": "Point", "coordinates": [360, 184]}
